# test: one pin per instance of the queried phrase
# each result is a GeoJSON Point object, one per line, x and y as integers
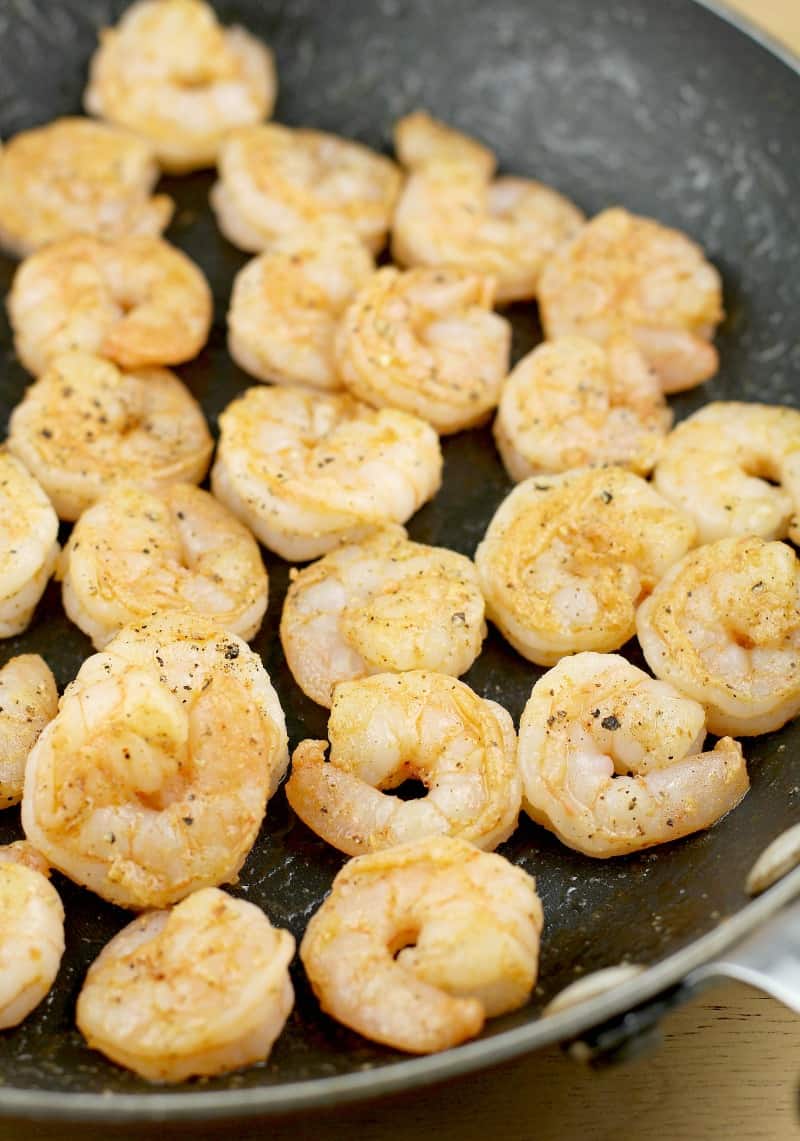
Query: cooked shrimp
{"type": "Point", "coordinates": [417, 946]}
{"type": "Point", "coordinates": [31, 934]}
{"type": "Point", "coordinates": [571, 403]}
{"type": "Point", "coordinates": [74, 176]}
{"type": "Point", "coordinates": [426, 341]}
{"type": "Point", "coordinates": [153, 779]}
{"type": "Point", "coordinates": [201, 989]}
{"type": "Point", "coordinates": [420, 725]}
{"type": "Point", "coordinates": [567, 559]}
{"type": "Point", "coordinates": [612, 761]}
{"type": "Point", "coordinates": [137, 301]}
{"type": "Point", "coordinates": [135, 552]}
{"type": "Point", "coordinates": [28, 546]}
{"type": "Point", "coordinates": [169, 72]}
{"type": "Point", "coordinates": [28, 701]}
{"type": "Point", "coordinates": [21, 852]}
{"type": "Point", "coordinates": [452, 213]}
{"type": "Point", "coordinates": [307, 471]}
{"type": "Point", "coordinates": [384, 604]}
{"type": "Point", "coordinates": [85, 423]}
{"type": "Point", "coordinates": [735, 468]}
{"type": "Point", "coordinates": [631, 276]}
{"type": "Point", "coordinates": [275, 180]}
{"type": "Point", "coordinates": [723, 626]}
{"type": "Point", "coordinates": [286, 306]}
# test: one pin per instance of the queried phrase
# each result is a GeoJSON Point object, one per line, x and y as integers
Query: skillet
{"type": "Point", "coordinates": [667, 108]}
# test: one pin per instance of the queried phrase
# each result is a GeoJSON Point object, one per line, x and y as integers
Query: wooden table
{"type": "Point", "coordinates": [728, 1068]}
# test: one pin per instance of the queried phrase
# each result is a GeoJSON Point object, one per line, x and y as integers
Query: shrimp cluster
{"type": "Point", "coordinates": [416, 947]}
{"type": "Point", "coordinates": [453, 213]}
{"type": "Point", "coordinates": [85, 423]}
{"type": "Point", "coordinates": [74, 176]}
{"type": "Point", "coordinates": [286, 306]}
{"type": "Point", "coordinates": [201, 989]}
{"type": "Point", "coordinates": [153, 779]}
{"type": "Point", "coordinates": [384, 604]}
{"type": "Point", "coordinates": [426, 341]}
{"type": "Point", "coordinates": [567, 559]}
{"type": "Point", "coordinates": [612, 760]}
{"type": "Point", "coordinates": [135, 552]}
{"type": "Point", "coordinates": [31, 933]}
{"type": "Point", "coordinates": [307, 471]}
{"type": "Point", "coordinates": [274, 180]}
{"type": "Point", "coordinates": [571, 403]}
{"type": "Point", "coordinates": [631, 276]}
{"type": "Point", "coordinates": [170, 73]}
{"type": "Point", "coordinates": [735, 468]}
{"type": "Point", "coordinates": [28, 544]}
{"type": "Point", "coordinates": [418, 725]}
{"type": "Point", "coordinates": [723, 626]}
{"type": "Point", "coordinates": [137, 301]}
{"type": "Point", "coordinates": [28, 702]}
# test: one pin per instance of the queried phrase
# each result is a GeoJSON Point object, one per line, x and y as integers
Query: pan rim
{"type": "Point", "coordinates": [286, 1098]}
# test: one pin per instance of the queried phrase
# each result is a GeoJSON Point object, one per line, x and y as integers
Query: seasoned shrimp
{"type": "Point", "coordinates": [153, 779]}
{"type": "Point", "coordinates": [452, 212]}
{"type": "Point", "coordinates": [84, 423]}
{"type": "Point", "coordinates": [307, 471]}
{"type": "Point", "coordinates": [723, 626]}
{"type": "Point", "coordinates": [28, 702]}
{"type": "Point", "coordinates": [169, 72]}
{"type": "Point", "coordinates": [276, 180]}
{"type": "Point", "coordinates": [735, 468]}
{"type": "Point", "coordinates": [384, 604]}
{"type": "Point", "coordinates": [631, 276]}
{"type": "Point", "coordinates": [391, 727]}
{"type": "Point", "coordinates": [31, 933]}
{"type": "Point", "coordinates": [135, 552]}
{"type": "Point", "coordinates": [201, 989]}
{"type": "Point", "coordinates": [287, 304]}
{"type": "Point", "coordinates": [426, 341]}
{"type": "Point", "coordinates": [612, 760]}
{"type": "Point", "coordinates": [28, 544]}
{"type": "Point", "coordinates": [417, 946]}
{"type": "Point", "coordinates": [571, 403]}
{"type": "Point", "coordinates": [567, 559]}
{"type": "Point", "coordinates": [137, 301]}
{"type": "Point", "coordinates": [74, 176]}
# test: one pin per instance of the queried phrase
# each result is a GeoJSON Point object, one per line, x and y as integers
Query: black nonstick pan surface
{"type": "Point", "coordinates": [662, 106]}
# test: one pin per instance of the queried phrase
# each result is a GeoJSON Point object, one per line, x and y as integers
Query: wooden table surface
{"type": "Point", "coordinates": [728, 1068]}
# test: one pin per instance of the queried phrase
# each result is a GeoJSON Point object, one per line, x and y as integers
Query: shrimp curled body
{"type": "Point", "coordinates": [31, 936]}
{"type": "Point", "coordinates": [612, 760]}
{"type": "Point", "coordinates": [135, 552]}
{"type": "Point", "coordinates": [153, 779]}
{"type": "Point", "coordinates": [29, 546]}
{"type": "Point", "coordinates": [735, 468]}
{"type": "Point", "coordinates": [453, 213]}
{"type": "Point", "coordinates": [428, 342]}
{"type": "Point", "coordinates": [384, 604]}
{"type": "Point", "coordinates": [723, 626]}
{"type": "Point", "coordinates": [84, 424]}
{"type": "Point", "coordinates": [307, 472]}
{"type": "Point", "coordinates": [571, 403]}
{"type": "Point", "coordinates": [137, 301]}
{"type": "Point", "coordinates": [74, 176]}
{"type": "Point", "coordinates": [631, 276]}
{"type": "Point", "coordinates": [567, 558]}
{"type": "Point", "coordinates": [391, 727]}
{"type": "Point", "coordinates": [202, 989]}
{"type": "Point", "coordinates": [417, 946]}
{"type": "Point", "coordinates": [171, 74]}
{"type": "Point", "coordinates": [28, 702]}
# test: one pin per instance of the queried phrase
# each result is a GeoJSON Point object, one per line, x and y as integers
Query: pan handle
{"type": "Point", "coordinates": [768, 959]}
